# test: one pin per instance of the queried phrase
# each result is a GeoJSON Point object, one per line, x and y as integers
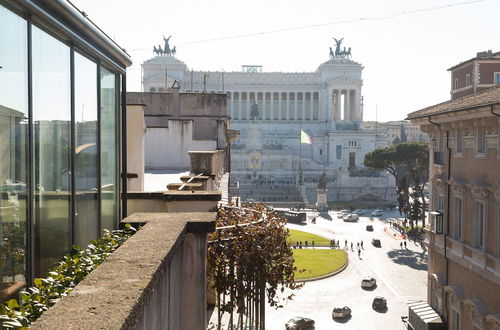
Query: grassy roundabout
{"type": "Point", "coordinates": [315, 262]}
{"type": "Point", "coordinates": [318, 262]}
{"type": "Point", "coordinates": [300, 236]}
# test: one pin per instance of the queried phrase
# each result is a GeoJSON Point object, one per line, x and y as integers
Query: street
{"type": "Point", "coordinates": [400, 273]}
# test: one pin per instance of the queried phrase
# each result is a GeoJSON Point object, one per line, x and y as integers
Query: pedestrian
{"type": "Point", "coordinates": [357, 245]}
{"type": "Point", "coordinates": [362, 245]}
{"type": "Point", "coordinates": [352, 247]}
{"type": "Point", "coordinates": [405, 244]}
{"type": "Point", "coordinates": [359, 253]}
{"type": "Point", "coordinates": [345, 242]}
{"type": "Point", "coordinates": [401, 244]}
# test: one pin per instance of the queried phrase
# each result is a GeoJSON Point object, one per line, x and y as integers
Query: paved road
{"type": "Point", "coordinates": [401, 276]}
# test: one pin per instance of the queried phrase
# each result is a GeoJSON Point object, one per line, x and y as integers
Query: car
{"type": "Point", "coordinates": [341, 214]}
{"type": "Point", "coordinates": [299, 323]}
{"type": "Point", "coordinates": [358, 212]}
{"type": "Point", "coordinates": [376, 242]}
{"type": "Point", "coordinates": [369, 228]}
{"type": "Point", "coordinates": [341, 312]}
{"type": "Point", "coordinates": [368, 283]}
{"type": "Point", "coordinates": [379, 303]}
{"type": "Point", "coordinates": [377, 213]}
{"type": "Point", "coordinates": [351, 217]}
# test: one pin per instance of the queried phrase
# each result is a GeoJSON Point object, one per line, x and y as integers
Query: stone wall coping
{"type": "Point", "coordinates": [113, 296]}
{"type": "Point", "coordinates": [176, 195]}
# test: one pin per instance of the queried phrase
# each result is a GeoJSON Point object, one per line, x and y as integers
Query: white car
{"type": "Point", "coordinates": [377, 213]}
{"type": "Point", "coordinates": [358, 212]}
{"type": "Point", "coordinates": [351, 217]}
{"type": "Point", "coordinates": [341, 214]}
{"type": "Point", "coordinates": [368, 283]}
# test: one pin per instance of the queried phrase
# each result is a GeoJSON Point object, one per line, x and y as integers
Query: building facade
{"type": "Point", "coordinates": [60, 119]}
{"type": "Point", "coordinates": [476, 74]}
{"type": "Point", "coordinates": [464, 227]}
{"type": "Point", "coordinates": [270, 109]}
{"type": "Point", "coordinates": [397, 131]}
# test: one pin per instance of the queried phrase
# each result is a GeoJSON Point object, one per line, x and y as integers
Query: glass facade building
{"type": "Point", "coordinates": [61, 124]}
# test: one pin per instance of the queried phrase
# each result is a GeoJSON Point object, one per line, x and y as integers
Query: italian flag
{"type": "Point", "coordinates": [305, 138]}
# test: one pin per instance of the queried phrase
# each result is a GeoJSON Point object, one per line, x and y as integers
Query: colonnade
{"type": "Point", "coordinates": [274, 105]}
{"type": "Point", "coordinates": [345, 105]}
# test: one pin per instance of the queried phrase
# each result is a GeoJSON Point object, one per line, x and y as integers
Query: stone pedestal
{"type": "Point", "coordinates": [321, 201]}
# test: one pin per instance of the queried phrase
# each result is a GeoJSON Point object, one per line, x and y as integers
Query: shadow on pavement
{"type": "Point", "coordinates": [344, 320]}
{"type": "Point", "coordinates": [415, 260]}
{"type": "Point", "coordinates": [325, 216]}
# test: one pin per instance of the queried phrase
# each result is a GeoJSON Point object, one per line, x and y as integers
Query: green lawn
{"type": "Point", "coordinates": [317, 262]}
{"type": "Point", "coordinates": [297, 236]}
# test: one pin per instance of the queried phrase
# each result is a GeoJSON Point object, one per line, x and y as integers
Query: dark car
{"type": "Point", "coordinates": [379, 303]}
{"type": "Point", "coordinates": [341, 312]}
{"type": "Point", "coordinates": [376, 242]}
{"type": "Point", "coordinates": [299, 323]}
{"type": "Point", "coordinates": [369, 228]}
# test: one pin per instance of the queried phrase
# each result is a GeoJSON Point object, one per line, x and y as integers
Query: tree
{"type": "Point", "coordinates": [248, 259]}
{"type": "Point", "coordinates": [408, 162]}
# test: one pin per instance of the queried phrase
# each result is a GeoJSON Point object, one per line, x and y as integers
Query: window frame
{"type": "Point", "coordinates": [496, 78]}
{"type": "Point", "coordinates": [458, 225]}
{"type": "Point", "coordinates": [479, 237]}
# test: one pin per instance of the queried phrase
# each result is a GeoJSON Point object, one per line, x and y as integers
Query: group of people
{"type": "Point", "coordinates": [359, 246]}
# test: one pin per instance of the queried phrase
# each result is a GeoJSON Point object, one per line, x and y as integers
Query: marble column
{"type": "Point", "coordinates": [288, 106]}
{"type": "Point", "coordinates": [303, 106]}
{"type": "Point", "coordinates": [346, 104]}
{"type": "Point", "coordinates": [311, 105]}
{"type": "Point", "coordinates": [231, 104]}
{"type": "Point", "coordinates": [279, 106]}
{"type": "Point", "coordinates": [295, 105]}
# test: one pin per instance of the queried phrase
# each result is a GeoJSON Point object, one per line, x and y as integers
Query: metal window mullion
{"type": "Point", "coordinates": [123, 132]}
{"type": "Point", "coordinates": [30, 226]}
{"type": "Point", "coordinates": [99, 182]}
{"type": "Point", "coordinates": [73, 208]}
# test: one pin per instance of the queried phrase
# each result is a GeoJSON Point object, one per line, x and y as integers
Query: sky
{"type": "Point", "coordinates": [405, 46]}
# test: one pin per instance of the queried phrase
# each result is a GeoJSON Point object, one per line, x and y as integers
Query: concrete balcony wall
{"type": "Point", "coordinates": [172, 201]}
{"type": "Point", "coordinates": [155, 280]}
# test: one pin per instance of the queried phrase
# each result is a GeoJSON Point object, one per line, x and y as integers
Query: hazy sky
{"type": "Point", "coordinates": [405, 46]}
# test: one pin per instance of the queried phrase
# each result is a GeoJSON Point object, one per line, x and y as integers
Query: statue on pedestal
{"type": "Point", "coordinates": [321, 201]}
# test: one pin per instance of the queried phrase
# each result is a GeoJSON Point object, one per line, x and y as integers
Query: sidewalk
{"type": "Point", "coordinates": [393, 233]}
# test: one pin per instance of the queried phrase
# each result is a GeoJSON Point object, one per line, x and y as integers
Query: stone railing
{"type": "Point", "coordinates": [209, 163]}
{"type": "Point", "coordinates": [172, 201]}
{"type": "Point", "coordinates": [155, 280]}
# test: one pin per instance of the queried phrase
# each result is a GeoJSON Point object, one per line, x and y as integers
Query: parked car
{"type": "Point", "coordinates": [299, 323]}
{"type": "Point", "coordinates": [351, 217]}
{"type": "Point", "coordinates": [369, 228]}
{"type": "Point", "coordinates": [377, 213]}
{"type": "Point", "coordinates": [359, 212]}
{"type": "Point", "coordinates": [379, 303]}
{"type": "Point", "coordinates": [376, 242]}
{"type": "Point", "coordinates": [368, 283]}
{"type": "Point", "coordinates": [341, 312]}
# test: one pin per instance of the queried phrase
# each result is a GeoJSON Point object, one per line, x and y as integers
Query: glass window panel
{"type": "Point", "coordinates": [13, 148]}
{"type": "Point", "coordinates": [109, 151]}
{"type": "Point", "coordinates": [86, 186]}
{"type": "Point", "coordinates": [51, 120]}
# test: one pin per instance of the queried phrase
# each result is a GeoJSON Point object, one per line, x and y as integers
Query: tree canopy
{"type": "Point", "coordinates": [408, 162]}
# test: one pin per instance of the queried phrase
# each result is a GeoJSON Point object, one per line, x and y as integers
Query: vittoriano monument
{"type": "Point", "coordinates": [166, 50]}
{"type": "Point", "coordinates": [321, 201]}
{"type": "Point", "coordinates": [340, 53]}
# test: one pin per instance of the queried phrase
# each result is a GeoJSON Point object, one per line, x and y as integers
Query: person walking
{"type": "Point", "coordinates": [357, 245]}
{"type": "Point", "coordinates": [359, 253]}
{"type": "Point", "coordinates": [401, 245]}
{"type": "Point", "coordinates": [362, 245]}
{"type": "Point", "coordinates": [352, 247]}
{"type": "Point", "coordinates": [405, 244]}
{"type": "Point", "coordinates": [346, 243]}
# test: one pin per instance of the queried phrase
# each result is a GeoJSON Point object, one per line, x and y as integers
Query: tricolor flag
{"type": "Point", "coordinates": [305, 138]}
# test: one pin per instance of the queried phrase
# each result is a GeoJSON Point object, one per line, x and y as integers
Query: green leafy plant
{"type": "Point", "coordinates": [60, 280]}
